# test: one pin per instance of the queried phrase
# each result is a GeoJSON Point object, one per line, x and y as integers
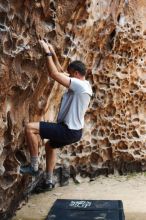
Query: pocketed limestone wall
{"type": "Point", "coordinates": [110, 37]}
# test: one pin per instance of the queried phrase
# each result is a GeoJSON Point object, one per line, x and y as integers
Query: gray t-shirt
{"type": "Point", "coordinates": [75, 103]}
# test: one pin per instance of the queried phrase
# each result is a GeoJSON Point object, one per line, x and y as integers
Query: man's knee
{"type": "Point", "coordinates": [30, 127]}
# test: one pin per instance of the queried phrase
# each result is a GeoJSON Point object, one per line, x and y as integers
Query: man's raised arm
{"type": "Point", "coordinates": [52, 68]}
{"type": "Point", "coordinates": [55, 58]}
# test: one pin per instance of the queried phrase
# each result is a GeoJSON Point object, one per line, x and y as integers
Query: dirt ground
{"type": "Point", "coordinates": [130, 189]}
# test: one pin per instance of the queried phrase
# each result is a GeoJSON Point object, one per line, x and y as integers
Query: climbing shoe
{"type": "Point", "coordinates": [28, 169]}
{"type": "Point", "coordinates": [44, 187]}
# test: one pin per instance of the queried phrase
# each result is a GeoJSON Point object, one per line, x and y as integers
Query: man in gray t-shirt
{"type": "Point", "coordinates": [75, 103]}
{"type": "Point", "coordinates": [70, 120]}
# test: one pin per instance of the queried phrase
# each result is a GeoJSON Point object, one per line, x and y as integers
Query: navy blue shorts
{"type": "Point", "coordinates": [59, 134]}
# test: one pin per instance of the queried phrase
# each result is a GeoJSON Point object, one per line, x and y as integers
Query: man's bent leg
{"type": "Point", "coordinates": [32, 131]}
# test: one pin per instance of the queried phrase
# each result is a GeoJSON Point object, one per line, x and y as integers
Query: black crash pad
{"type": "Point", "coordinates": [86, 210]}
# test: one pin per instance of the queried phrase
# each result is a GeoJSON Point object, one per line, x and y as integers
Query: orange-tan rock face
{"type": "Point", "coordinates": [110, 37]}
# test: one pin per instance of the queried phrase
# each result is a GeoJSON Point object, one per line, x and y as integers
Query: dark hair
{"type": "Point", "coordinates": [79, 66]}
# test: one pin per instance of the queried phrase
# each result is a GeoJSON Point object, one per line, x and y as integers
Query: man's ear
{"type": "Point", "coordinates": [76, 73]}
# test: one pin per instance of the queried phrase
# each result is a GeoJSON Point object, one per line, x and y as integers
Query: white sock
{"type": "Point", "coordinates": [49, 177]}
{"type": "Point", "coordinates": [34, 163]}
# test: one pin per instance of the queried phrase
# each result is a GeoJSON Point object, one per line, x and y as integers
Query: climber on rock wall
{"type": "Point", "coordinates": [70, 120]}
